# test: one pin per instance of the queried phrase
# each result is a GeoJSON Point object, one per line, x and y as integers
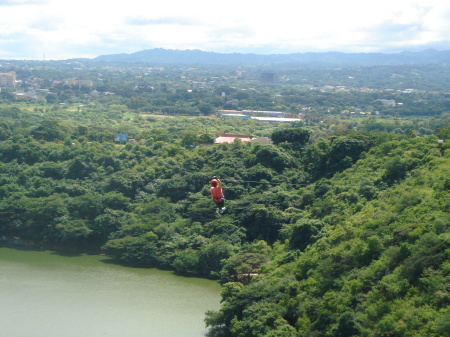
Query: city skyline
{"type": "Point", "coordinates": [36, 29]}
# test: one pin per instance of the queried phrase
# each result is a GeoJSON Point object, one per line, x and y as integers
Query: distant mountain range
{"type": "Point", "coordinates": [193, 57]}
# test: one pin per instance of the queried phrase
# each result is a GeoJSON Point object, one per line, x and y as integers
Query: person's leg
{"type": "Point", "coordinates": [218, 207]}
{"type": "Point", "coordinates": [222, 206]}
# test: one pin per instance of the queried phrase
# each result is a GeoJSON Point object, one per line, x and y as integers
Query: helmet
{"type": "Point", "coordinates": [214, 182]}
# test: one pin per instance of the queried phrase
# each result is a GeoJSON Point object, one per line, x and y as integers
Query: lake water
{"type": "Point", "coordinates": [43, 294]}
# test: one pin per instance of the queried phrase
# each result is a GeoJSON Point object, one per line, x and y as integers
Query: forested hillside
{"type": "Point", "coordinates": [367, 255]}
{"type": "Point", "coordinates": [329, 232]}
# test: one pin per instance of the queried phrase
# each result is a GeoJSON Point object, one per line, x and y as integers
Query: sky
{"type": "Point", "coordinates": [65, 29]}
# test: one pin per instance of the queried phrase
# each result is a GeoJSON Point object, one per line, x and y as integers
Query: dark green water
{"type": "Point", "coordinates": [43, 294]}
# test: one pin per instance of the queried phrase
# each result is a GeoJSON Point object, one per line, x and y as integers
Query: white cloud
{"type": "Point", "coordinates": [21, 2]}
{"type": "Point", "coordinates": [82, 28]}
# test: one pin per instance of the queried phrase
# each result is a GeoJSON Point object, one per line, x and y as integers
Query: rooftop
{"type": "Point", "coordinates": [227, 138]}
{"type": "Point", "coordinates": [276, 119]}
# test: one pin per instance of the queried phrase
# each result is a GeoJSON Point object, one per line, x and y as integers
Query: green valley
{"type": "Point", "coordinates": [339, 228]}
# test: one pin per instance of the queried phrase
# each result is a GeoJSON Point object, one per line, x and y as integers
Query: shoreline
{"type": "Point", "coordinates": [19, 243]}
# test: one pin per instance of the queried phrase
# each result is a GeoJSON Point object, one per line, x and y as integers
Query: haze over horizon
{"type": "Point", "coordinates": [57, 30]}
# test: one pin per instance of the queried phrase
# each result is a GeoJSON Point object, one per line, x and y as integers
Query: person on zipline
{"type": "Point", "coordinates": [217, 194]}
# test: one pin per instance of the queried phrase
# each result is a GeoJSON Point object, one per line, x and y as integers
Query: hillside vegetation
{"type": "Point", "coordinates": [359, 260]}
{"type": "Point", "coordinates": [339, 233]}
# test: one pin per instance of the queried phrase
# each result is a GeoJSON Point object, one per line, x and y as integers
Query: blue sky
{"type": "Point", "coordinates": [63, 29]}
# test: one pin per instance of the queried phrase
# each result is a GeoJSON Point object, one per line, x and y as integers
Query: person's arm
{"type": "Point", "coordinates": [218, 180]}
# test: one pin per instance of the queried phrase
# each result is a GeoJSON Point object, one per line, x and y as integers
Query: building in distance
{"type": "Point", "coordinates": [8, 79]}
{"type": "Point", "coordinates": [241, 116]}
{"type": "Point", "coordinates": [387, 102]}
{"type": "Point", "coordinates": [276, 119]}
{"type": "Point", "coordinates": [75, 82]}
{"type": "Point", "coordinates": [268, 77]}
{"type": "Point", "coordinates": [228, 138]}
